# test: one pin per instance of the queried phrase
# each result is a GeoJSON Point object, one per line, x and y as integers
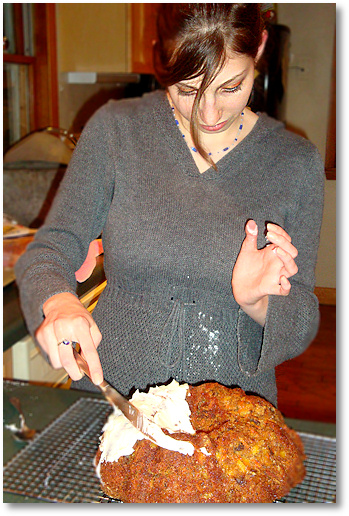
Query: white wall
{"type": "Point", "coordinates": [312, 37]}
{"type": "Point", "coordinates": [91, 37]}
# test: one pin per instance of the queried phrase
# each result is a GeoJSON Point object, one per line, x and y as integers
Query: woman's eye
{"type": "Point", "coordinates": [234, 89]}
{"type": "Point", "coordinates": [186, 92]}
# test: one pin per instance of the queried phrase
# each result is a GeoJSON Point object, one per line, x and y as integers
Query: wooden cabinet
{"type": "Point", "coordinates": [92, 37]}
{"type": "Point", "coordinates": [106, 38]}
{"type": "Point", "coordinates": [142, 36]}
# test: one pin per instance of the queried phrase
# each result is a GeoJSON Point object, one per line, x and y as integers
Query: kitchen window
{"type": "Point", "coordinates": [17, 71]}
{"type": "Point", "coordinates": [30, 93]}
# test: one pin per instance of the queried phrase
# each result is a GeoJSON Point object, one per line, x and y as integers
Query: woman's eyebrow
{"type": "Point", "coordinates": [187, 85]}
{"type": "Point", "coordinates": [237, 76]}
{"type": "Point", "coordinates": [232, 79]}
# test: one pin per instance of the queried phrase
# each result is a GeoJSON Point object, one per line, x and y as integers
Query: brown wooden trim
{"type": "Point", "coordinates": [326, 295]}
{"type": "Point", "coordinates": [19, 59]}
{"type": "Point", "coordinates": [52, 62]}
{"type": "Point", "coordinates": [143, 33]}
{"type": "Point", "coordinates": [31, 96]}
{"type": "Point", "coordinates": [46, 80]}
{"type": "Point", "coordinates": [330, 173]}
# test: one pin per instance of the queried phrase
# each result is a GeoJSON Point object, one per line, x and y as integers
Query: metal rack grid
{"type": "Point", "coordinates": [57, 466]}
{"type": "Point", "coordinates": [319, 484]}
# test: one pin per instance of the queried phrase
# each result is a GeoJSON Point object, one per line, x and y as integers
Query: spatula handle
{"type": "Point", "coordinates": [82, 364]}
{"type": "Point", "coordinates": [85, 369]}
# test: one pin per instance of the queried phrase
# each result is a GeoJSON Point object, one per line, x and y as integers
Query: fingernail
{"type": "Point", "coordinates": [97, 379]}
{"type": "Point", "coordinates": [254, 229]}
{"type": "Point", "coordinates": [280, 251]}
{"type": "Point", "coordinates": [270, 235]}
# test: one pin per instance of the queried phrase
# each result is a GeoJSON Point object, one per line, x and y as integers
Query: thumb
{"type": "Point", "coordinates": [251, 230]}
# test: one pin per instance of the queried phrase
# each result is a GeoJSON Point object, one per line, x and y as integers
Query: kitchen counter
{"type": "Point", "coordinates": [42, 405]}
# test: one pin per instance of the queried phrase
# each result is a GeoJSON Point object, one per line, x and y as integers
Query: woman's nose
{"type": "Point", "coordinates": [210, 113]}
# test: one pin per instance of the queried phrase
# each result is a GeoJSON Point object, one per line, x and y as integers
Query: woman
{"type": "Point", "coordinates": [185, 184]}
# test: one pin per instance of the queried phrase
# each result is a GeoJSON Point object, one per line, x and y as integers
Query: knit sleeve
{"type": "Point", "coordinates": [76, 218]}
{"type": "Point", "coordinates": [292, 321]}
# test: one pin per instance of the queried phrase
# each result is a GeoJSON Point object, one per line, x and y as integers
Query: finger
{"type": "Point", "coordinates": [274, 228]}
{"type": "Point", "coordinates": [49, 343]}
{"type": "Point", "coordinates": [281, 241]}
{"type": "Point", "coordinates": [289, 263]}
{"type": "Point", "coordinates": [88, 351]}
{"type": "Point", "coordinates": [78, 329]}
{"type": "Point", "coordinates": [285, 286]}
{"type": "Point", "coordinates": [281, 287]}
{"type": "Point", "coordinates": [69, 363]}
{"type": "Point", "coordinates": [251, 231]}
{"type": "Point", "coordinates": [89, 340]}
{"type": "Point", "coordinates": [90, 354]}
{"type": "Point", "coordinates": [96, 335]}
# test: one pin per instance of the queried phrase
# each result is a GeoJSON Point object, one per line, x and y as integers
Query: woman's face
{"type": "Point", "coordinates": [222, 102]}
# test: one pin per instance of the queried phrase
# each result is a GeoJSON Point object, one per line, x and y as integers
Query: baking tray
{"type": "Point", "coordinates": [57, 466]}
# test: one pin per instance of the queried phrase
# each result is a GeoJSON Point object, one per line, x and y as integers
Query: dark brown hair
{"type": "Point", "coordinates": [195, 39]}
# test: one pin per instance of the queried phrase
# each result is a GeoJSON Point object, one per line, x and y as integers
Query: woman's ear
{"type": "Point", "coordinates": [262, 46]}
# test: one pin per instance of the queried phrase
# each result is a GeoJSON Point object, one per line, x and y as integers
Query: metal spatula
{"type": "Point", "coordinates": [132, 413]}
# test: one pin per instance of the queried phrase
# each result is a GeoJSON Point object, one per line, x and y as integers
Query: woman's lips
{"type": "Point", "coordinates": [213, 128]}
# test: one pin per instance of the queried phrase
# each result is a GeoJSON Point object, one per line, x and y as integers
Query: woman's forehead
{"type": "Point", "coordinates": [233, 68]}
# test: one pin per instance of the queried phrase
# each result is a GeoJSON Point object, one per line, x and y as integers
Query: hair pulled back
{"type": "Point", "coordinates": [195, 39]}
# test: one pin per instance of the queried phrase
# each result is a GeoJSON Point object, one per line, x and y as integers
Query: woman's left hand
{"type": "Point", "coordinates": [259, 273]}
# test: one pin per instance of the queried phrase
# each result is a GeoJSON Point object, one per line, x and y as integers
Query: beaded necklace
{"type": "Point", "coordinates": [225, 148]}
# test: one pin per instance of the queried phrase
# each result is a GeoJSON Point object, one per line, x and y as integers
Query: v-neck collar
{"type": "Point", "coordinates": [182, 153]}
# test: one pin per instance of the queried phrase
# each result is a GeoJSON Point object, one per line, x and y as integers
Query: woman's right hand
{"type": "Point", "coordinates": [67, 319]}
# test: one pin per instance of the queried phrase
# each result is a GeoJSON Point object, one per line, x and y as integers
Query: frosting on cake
{"type": "Point", "coordinates": [166, 407]}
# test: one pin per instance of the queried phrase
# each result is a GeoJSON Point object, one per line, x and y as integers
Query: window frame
{"type": "Point", "coordinates": [42, 68]}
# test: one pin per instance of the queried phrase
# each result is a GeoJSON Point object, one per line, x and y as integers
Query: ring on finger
{"type": "Point", "coordinates": [67, 342]}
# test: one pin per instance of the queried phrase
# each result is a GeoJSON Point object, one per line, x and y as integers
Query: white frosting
{"type": "Point", "coordinates": [166, 407]}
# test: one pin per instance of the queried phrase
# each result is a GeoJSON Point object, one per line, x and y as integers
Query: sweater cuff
{"type": "Point", "coordinates": [250, 339]}
{"type": "Point", "coordinates": [291, 324]}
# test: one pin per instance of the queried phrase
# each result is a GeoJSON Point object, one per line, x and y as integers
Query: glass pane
{"type": "Point", "coordinates": [28, 37]}
{"type": "Point", "coordinates": [16, 122]}
{"type": "Point", "coordinates": [9, 40]}
{"type": "Point", "coordinates": [18, 29]}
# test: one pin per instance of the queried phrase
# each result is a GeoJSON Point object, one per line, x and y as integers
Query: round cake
{"type": "Point", "coordinates": [218, 445]}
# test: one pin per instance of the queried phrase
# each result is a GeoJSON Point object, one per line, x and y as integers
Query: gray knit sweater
{"type": "Point", "coordinates": [171, 237]}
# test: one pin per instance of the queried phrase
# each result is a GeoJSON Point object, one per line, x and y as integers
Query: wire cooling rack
{"type": "Point", "coordinates": [319, 484]}
{"type": "Point", "coordinates": [57, 466]}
